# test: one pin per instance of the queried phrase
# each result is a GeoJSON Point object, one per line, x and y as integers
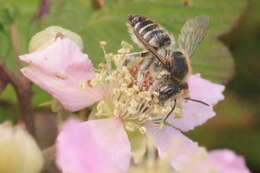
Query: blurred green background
{"type": "Point", "coordinates": [230, 54]}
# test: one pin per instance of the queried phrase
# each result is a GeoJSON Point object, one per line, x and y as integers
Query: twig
{"type": "Point", "coordinates": [15, 42]}
{"type": "Point", "coordinates": [43, 9]}
{"type": "Point", "coordinates": [21, 84]}
{"type": "Point", "coordinates": [49, 160]}
{"type": "Point", "coordinates": [6, 74]}
{"type": "Point", "coordinates": [24, 95]}
{"type": "Point", "coordinates": [3, 80]}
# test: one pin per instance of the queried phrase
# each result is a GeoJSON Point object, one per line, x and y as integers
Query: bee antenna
{"type": "Point", "coordinates": [198, 101]}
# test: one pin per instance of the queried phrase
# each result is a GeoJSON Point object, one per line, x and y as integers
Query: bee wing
{"type": "Point", "coordinates": [192, 33]}
{"type": "Point", "coordinates": [150, 49]}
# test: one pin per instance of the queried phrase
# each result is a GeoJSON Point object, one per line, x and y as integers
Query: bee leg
{"type": "Point", "coordinates": [168, 115]}
{"type": "Point", "coordinates": [133, 56]}
{"type": "Point", "coordinates": [143, 68]}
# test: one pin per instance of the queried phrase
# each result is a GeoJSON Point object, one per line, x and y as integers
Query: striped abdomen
{"type": "Point", "coordinates": [149, 31]}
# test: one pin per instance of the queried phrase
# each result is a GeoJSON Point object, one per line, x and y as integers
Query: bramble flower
{"type": "Point", "coordinates": [64, 72]}
{"type": "Point", "coordinates": [103, 144]}
{"type": "Point", "coordinates": [44, 38]}
{"type": "Point", "coordinates": [188, 157]}
{"type": "Point", "coordinates": [195, 114]}
{"type": "Point", "coordinates": [95, 146]}
{"type": "Point", "coordinates": [19, 152]}
{"type": "Point", "coordinates": [227, 161]}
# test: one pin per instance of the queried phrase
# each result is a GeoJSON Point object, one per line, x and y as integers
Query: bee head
{"type": "Point", "coordinates": [171, 91]}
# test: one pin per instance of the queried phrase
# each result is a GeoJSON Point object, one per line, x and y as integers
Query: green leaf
{"type": "Point", "coordinates": [4, 41]}
{"type": "Point", "coordinates": [8, 13]}
{"type": "Point", "coordinates": [8, 111]}
{"type": "Point", "coordinates": [21, 13]}
{"type": "Point", "coordinates": [212, 58]}
{"type": "Point", "coordinates": [5, 17]}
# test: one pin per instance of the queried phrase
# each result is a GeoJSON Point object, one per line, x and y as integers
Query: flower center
{"type": "Point", "coordinates": [134, 105]}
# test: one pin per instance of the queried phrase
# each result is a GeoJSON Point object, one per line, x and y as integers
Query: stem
{"type": "Point", "coordinates": [3, 80]}
{"type": "Point", "coordinates": [24, 95]}
{"type": "Point", "coordinates": [49, 160]}
{"type": "Point", "coordinates": [6, 74]}
{"type": "Point", "coordinates": [15, 43]}
{"type": "Point", "coordinates": [21, 84]}
{"type": "Point", "coordinates": [43, 9]}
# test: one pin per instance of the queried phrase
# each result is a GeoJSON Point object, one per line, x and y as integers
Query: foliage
{"type": "Point", "coordinates": [212, 59]}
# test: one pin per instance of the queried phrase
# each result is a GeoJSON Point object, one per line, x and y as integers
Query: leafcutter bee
{"type": "Point", "coordinates": [167, 61]}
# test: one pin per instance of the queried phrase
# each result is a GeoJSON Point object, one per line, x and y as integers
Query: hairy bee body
{"type": "Point", "coordinates": [168, 64]}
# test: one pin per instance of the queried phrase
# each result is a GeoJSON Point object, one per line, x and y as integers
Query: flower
{"type": "Point", "coordinates": [95, 146]}
{"type": "Point", "coordinates": [122, 114]}
{"type": "Point", "coordinates": [64, 72]}
{"type": "Point", "coordinates": [227, 161]}
{"type": "Point", "coordinates": [44, 38]}
{"type": "Point", "coordinates": [19, 152]}
{"type": "Point", "coordinates": [195, 114]}
{"type": "Point", "coordinates": [58, 66]}
{"type": "Point", "coordinates": [98, 146]}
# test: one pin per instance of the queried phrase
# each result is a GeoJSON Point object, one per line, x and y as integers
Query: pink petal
{"type": "Point", "coordinates": [226, 161]}
{"type": "Point", "coordinates": [72, 98]}
{"type": "Point", "coordinates": [171, 142]}
{"type": "Point", "coordinates": [62, 58]}
{"type": "Point", "coordinates": [95, 146]}
{"type": "Point", "coordinates": [63, 71]}
{"type": "Point", "coordinates": [194, 113]}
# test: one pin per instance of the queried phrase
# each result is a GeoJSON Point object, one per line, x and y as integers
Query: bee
{"type": "Point", "coordinates": [167, 61]}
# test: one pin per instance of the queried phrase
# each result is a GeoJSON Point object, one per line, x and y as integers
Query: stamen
{"type": "Point", "coordinates": [82, 85]}
{"type": "Point", "coordinates": [103, 43]}
{"type": "Point", "coordinates": [142, 130]}
{"type": "Point", "coordinates": [130, 103]}
{"type": "Point", "coordinates": [126, 48]}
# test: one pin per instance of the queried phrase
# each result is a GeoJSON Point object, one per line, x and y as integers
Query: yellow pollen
{"type": "Point", "coordinates": [142, 130]}
{"type": "Point", "coordinates": [126, 100]}
{"type": "Point", "coordinates": [103, 43]}
{"type": "Point", "coordinates": [126, 48]}
{"type": "Point", "coordinates": [82, 85]}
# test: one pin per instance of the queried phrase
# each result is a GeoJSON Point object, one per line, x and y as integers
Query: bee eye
{"type": "Point", "coordinates": [168, 92]}
{"type": "Point", "coordinates": [177, 54]}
